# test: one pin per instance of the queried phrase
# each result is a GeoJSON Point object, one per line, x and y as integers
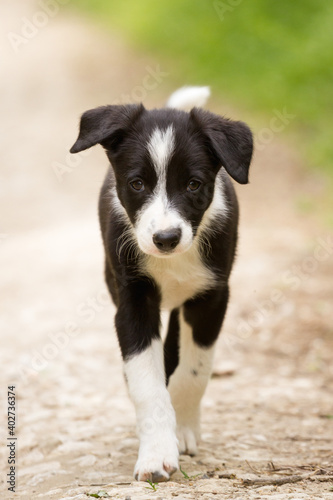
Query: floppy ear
{"type": "Point", "coordinates": [105, 125]}
{"type": "Point", "coordinates": [230, 142]}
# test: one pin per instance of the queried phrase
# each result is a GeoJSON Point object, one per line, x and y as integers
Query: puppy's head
{"type": "Point", "coordinates": [165, 163]}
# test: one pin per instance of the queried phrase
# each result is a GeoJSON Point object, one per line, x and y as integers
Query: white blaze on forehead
{"type": "Point", "coordinates": [157, 214]}
{"type": "Point", "coordinates": [161, 146]}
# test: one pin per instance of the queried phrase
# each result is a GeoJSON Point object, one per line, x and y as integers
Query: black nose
{"type": "Point", "coordinates": [167, 240]}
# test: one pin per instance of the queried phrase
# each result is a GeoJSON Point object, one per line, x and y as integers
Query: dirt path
{"type": "Point", "coordinates": [271, 397]}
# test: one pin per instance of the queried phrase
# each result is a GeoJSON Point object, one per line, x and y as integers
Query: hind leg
{"type": "Point", "coordinates": [171, 345]}
{"type": "Point", "coordinates": [200, 321]}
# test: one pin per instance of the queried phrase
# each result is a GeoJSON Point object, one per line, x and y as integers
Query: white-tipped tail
{"type": "Point", "coordinates": [187, 98]}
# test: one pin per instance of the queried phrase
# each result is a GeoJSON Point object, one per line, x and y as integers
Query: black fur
{"type": "Point", "coordinates": [204, 143]}
{"type": "Point", "coordinates": [171, 344]}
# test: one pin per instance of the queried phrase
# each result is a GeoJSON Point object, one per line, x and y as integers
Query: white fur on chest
{"type": "Point", "coordinates": [179, 277]}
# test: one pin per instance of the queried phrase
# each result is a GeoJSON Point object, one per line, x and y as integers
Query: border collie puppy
{"type": "Point", "coordinates": [168, 215]}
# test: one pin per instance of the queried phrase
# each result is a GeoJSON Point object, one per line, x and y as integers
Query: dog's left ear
{"type": "Point", "coordinates": [105, 125]}
{"type": "Point", "coordinates": [230, 142]}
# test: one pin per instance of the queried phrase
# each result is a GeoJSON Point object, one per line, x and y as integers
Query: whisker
{"type": "Point", "coordinates": [124, 240]}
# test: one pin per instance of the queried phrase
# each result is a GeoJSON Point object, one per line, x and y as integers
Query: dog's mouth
{"type": "Point", "coordinates": [163, 255]}
{"type": "Point", "coordinates": [166, 243]}
{"type": "Point", "coordinates": [163, 237]}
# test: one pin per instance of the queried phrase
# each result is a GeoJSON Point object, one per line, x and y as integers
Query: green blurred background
{"type": "Point", "coordinates": [261, 55]}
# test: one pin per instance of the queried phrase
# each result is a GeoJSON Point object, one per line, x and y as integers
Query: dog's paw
{"type": "Point", "coordinates": [188, 429]}
{"type": "Point", "coordinates": [157, 465]}
{"type": "Point", "coordinates": [188, 439]}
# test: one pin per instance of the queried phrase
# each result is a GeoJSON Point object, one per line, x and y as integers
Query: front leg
{"type": "Point", "coordinates": [200, 321]}
{"type": "Point", "coordinates": [137, 323]}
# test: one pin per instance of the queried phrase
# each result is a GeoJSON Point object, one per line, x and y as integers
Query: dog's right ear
{"type": "Point", "coordinates": [105, 125]}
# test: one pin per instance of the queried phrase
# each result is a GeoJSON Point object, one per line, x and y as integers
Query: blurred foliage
{"type": "Point", "coordinates": [263, 55]}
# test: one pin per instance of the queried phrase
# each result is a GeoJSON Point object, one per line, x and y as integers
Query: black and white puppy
{"type": "Point", "coordinates": [169, 216]}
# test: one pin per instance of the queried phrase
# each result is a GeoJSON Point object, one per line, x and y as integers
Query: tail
{"type": "Point", "coordinates": [187, 98]}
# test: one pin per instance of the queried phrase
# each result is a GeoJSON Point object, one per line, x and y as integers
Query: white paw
{"type": "Point", "coordinates": [188, 429]}
{"type": "Point", "coordinates": [157, 461]}
{"type": "Point", "coordinates": [188, 439]}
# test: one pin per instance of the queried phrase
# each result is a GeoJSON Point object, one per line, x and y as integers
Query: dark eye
{"type": "Point", "coordinates": [193, 185]}
{"type": "Point", "coordinates": [137, 185]}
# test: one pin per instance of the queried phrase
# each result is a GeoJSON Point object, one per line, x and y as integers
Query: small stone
{"type": "Point", "coordinates": [58, 491]}
{"type": "Point", "coordinates": [77, 497]}
{"type": "Point", "coordinates": [40, 468]}
{"type": "Point", "coordinates": [71, 446]}
{"type": "Point", "coordinates": [86, 460]}
{"type": "Point", "coordinates": [260, 437]}
{"type": "Point", "coordinates": [33, 457]}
